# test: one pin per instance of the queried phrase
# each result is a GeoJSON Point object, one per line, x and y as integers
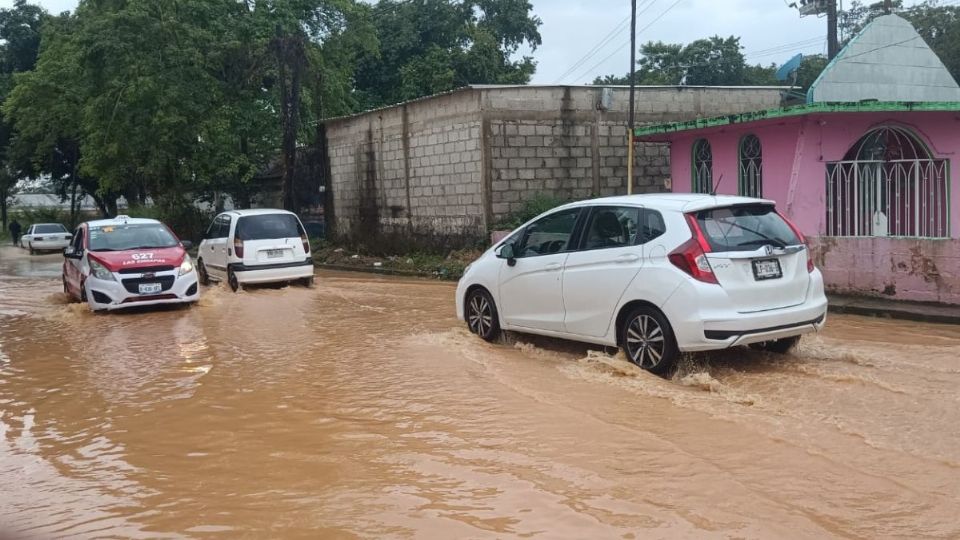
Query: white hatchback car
{"type": "Point", "coordinates": [45, 237]}
{"type": "Point", "coordinates": [654, 274]}
{"type": "Point", "coordinates": [255, 246]}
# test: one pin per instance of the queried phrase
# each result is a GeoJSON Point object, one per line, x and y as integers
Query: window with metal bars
{"type": "Point", "coordinates": [889, 184]}
{"type": "Point", "coordinates": [751, 166]}
{"type": "Point", "coordinates": [702, 166]}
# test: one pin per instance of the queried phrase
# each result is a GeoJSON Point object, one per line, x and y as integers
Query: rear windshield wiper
{"type": "Point", "coordinates": [776, 242]}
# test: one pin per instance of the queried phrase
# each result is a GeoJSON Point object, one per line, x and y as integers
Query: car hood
{"type": "Point", "coordinates": [139, 258]}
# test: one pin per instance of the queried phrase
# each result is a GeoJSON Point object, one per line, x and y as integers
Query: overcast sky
{"type": "Point", "coordinates": [769, 30]}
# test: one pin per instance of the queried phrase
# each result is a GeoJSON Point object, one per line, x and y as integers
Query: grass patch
{"type": "Point", "coordinates": [447, 266]}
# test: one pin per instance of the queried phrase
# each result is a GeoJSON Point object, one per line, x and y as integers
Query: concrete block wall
{"type": "Point", "coordinates": [570, 143]}
{"type": "Point", "coordinates": [410, 172]}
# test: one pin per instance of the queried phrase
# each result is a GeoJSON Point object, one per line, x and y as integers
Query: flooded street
{"type": "Point", "coordinates": [363, 409]}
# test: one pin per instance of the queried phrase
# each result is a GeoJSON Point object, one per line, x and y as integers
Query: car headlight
{"type": "Point", "coordinates": [100, 271]}
{"type": "Point", "coordinates": [186, 266]}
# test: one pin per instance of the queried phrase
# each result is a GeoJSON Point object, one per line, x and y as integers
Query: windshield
{"type": "Point", "coordinates": [269, 227]}
{"type": "Point", "coordinates": [49, 229]}
{"type": "Point", "coordinates": [127, 237]}
{"type": "Point", "coordinates": [745, 228]}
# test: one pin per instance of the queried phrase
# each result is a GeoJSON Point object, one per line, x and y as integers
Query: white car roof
{"type": "Point", "coordinates": [680, 202]}
{"type": "Point", "coordinates": [57, 224]}
{"type": "Point", "coordinates": [258, 212]}
{"type": "Point", "coordinates": [120, 220]}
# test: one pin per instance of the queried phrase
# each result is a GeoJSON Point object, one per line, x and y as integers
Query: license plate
{"type": "Point", "coordinates": [767, 269]}
{"type": "Point", "coordinates": [150, 288]}
{"type": "Point", "coordinates": [274, 253]}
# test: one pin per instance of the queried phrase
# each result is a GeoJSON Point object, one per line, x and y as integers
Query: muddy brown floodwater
{"type": "Point", "coordinates": [363, 409]}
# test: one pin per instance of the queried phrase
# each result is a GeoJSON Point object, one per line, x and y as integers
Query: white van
{"type": "Point", "coordinates": [255, 246]}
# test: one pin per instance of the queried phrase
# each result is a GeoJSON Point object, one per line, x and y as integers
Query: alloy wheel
{"type": "Point", "coordinates": [481, 315]}
{"type": "Point", "coordinates": [645, 341]}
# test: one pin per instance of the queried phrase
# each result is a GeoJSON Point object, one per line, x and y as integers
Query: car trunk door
{"type": "Point", "coordinates": [751, 280]}
{"type": "Point", "coordinates": [756, 255]}
{"type": "Point", "coordinates": [270, 239]}
{"type": "Point", "coordinates": [270, 251]}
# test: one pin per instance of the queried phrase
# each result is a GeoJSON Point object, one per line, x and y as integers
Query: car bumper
{"type": "Point", "coordinates": [51, 245]}
{"type": "Point", "coordinates": [112, 295]}
{"type": "Point", "coordinates": [274, 272]}
{"type": "Point", "coordinates": [713, 325]}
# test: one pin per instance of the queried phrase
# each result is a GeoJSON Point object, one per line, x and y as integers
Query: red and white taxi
{"type": "Point", "coordinates": [126, 262]}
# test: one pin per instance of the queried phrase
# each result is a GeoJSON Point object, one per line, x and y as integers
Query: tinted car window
{"type": "Point", "coordinates": [548, 235]}
{"type": "Point", "coordinates": [745, 228]}
{"type": "Point", "coordinates": [651, 226]}
{"type": "Point", "coordinates": [49, 229]}
{"type": "Point", "coordinates": [214, 230]}
{"type": "Point", "coordinates": [225, 221]}
{"type": "Point", "coordinates": [268, 227]}
{"type": "Point", "coordinates": [612, 227]}
{"type": "Point", "coordinates": [126, 237]}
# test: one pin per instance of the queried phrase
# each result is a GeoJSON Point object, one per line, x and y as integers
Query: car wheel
{"type": "Point", "coordinates": [30, 247]}
{"type": "Point", "coordinates": [482, 316]}
{"type": "Point", "coordinates": [233, 281]}
{"type": "Point", "coordinates": [202, 275]}
{"type": "Point", "coordinates": [779, 346]}
{"type": "Point", "coordinates": [83, 292]}
{"type": "Point", "coordinates": [647, 340]}
{"type": "Point", "coordinates": [307, 282]}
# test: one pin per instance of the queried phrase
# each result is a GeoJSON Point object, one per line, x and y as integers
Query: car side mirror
{"type": "Point", "coordinates": [71, 252]}
{"type": "Point", "coordinates": [506, 252]}
{"type": "Point", "coordinates": [186, 244]}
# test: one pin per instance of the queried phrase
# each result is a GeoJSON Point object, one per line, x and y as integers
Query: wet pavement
{"type": "Point", "coordinates": [362, 409]}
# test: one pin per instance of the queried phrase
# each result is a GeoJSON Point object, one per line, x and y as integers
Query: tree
{"type": "Point", "coordinates": [431, 46]}
{"type": "Point", "coordinates": [19, 46]}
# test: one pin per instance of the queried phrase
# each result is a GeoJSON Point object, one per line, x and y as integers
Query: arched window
{"type": "Point", "coordinates": [751, 166]}
{"type": "Point", "coordinates": [702, 166]}
{"type": "Point", "coordinates": [888, 184]}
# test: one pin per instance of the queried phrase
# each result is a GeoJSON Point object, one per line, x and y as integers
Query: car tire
{"type": "Point", "coordinates": [83, 292]}
{"type": "Point", "coordinates": [778, 346]}
{"type": "Point", "coordinates": [202, 275]}
{"type": "Point", "coordinates": [30, 247]}
{"type": "Point", "coordinates": [307, 282]}
{"type": "Point", "coordinates": [481, 315]}
{"type": "Point", "coordinates": [647, 340]}
{"type": "Point", "coordinates": [233, 281]}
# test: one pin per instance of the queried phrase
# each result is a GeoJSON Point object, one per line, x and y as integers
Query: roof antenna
{"type": "Point", "coordinates": [716, 186]}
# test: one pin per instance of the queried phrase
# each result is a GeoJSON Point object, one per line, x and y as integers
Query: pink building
{"type": "Point", "coordinates": [870, 180]}
{"type": "Point", "coordinates": [870, 184]}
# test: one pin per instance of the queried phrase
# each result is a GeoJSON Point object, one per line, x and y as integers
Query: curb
{"type": "Point", "coordinates": [382, 271]}
{"type": "Point", "coordinates": [896, 310]}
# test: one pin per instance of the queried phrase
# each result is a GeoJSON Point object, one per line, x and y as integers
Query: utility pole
{"type": "Point", "coordinates": [633, 83]}
{"type": "Point", "coordinates": [833, 46]}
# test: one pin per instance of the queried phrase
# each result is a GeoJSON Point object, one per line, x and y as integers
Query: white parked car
{"type": "Point", "coordinates": [45, 237]}
{"type": "Point", "coordinates": [657, 275]}
{"type": "Point", "coordinates": [128, 262]}
{"type": "Point", "coordinates": [255, 246]}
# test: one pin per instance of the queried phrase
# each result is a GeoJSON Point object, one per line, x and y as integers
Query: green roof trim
{"type": "Point", "coordinates": [799, 110]}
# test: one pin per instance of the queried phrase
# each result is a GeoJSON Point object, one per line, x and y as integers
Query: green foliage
{"type": "Point", "coordinates": [186, 220]}
{"type": "Point", "coordinates": [432, 46]}
{"type": "Point", "coordinates": [28, 216]}
{"type": "Point", "coordinates": [710, 62]}
{"type": "Point", "coordinates": [531, 208]}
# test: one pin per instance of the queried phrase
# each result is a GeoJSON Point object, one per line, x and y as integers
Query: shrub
{"type": "Point", "coordinates": [531, 208]}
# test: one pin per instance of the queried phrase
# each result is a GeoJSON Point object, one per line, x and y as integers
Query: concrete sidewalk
{"type": "Point", "coordinates": [895, 309]}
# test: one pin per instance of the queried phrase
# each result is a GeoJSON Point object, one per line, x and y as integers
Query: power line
{"type": "Point", "coordinates": [627, 44]}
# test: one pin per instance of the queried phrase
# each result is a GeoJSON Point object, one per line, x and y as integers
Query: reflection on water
{"type": "Point", "coordinates": [361, 408]}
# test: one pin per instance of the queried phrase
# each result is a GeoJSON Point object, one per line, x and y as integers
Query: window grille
{"type": "Point", "coordinates": [888, 184]}
{"type": "Point", "coordinates": [702, 167]}
{"type": "Point", "coordinates": [751, 167]}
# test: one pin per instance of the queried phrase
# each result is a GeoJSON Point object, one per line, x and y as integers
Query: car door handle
{"type": "Point", "coordinates": [553, 266]}
{"type": "Point", "coordinates": [628, 258]}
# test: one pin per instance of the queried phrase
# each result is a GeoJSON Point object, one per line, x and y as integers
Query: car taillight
{"type": "Point", "coordinates": [803, 240]}
{"type": "Point", "coordinates": [306, 243]}
{"type": "Point", "coordinates": [691, 256]}
{"type": "Point", "coordinates": [238, 247]}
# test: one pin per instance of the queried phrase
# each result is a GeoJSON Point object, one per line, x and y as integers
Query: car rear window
{"type": "Point", "coordinates": [268, 227]}
{"type": "Point", "coordinates": [49, 229]}
{"type": "Point", "coordinates": [745, 228]}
